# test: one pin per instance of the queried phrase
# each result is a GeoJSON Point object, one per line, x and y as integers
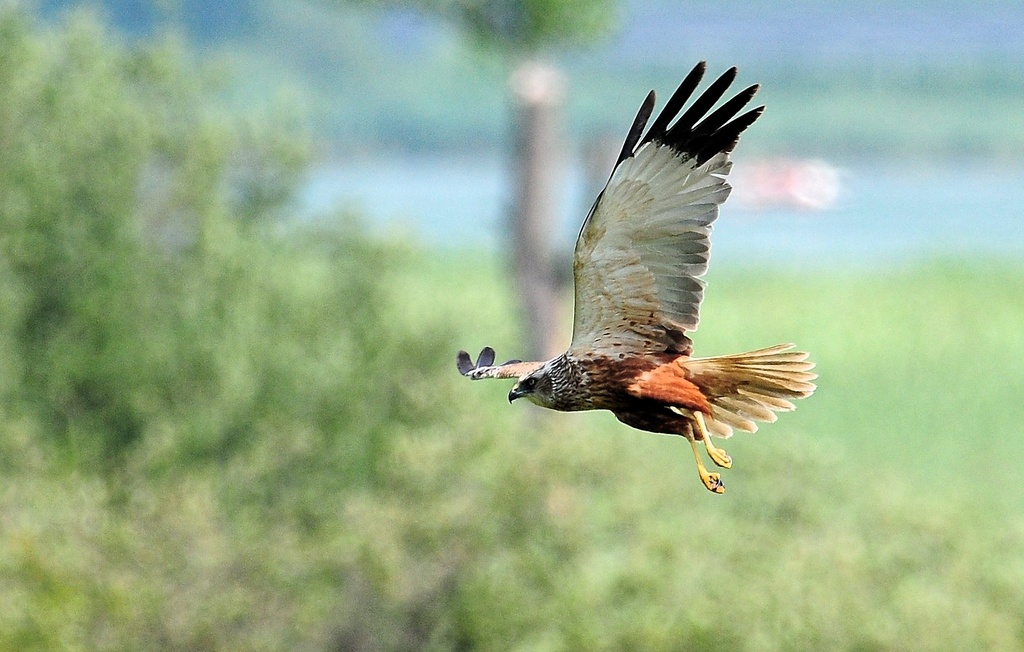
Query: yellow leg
{"type": "Point", "coordinates": [712, 481]}
{"type": "Point", "coordinates": [717, 455]}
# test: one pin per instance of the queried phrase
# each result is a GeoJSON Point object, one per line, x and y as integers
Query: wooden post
{"type": "Point", "coordinates": [538, 91]}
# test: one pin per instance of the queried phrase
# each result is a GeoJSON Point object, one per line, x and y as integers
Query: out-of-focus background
{"type": "Point", "coordinates": [241, 241]}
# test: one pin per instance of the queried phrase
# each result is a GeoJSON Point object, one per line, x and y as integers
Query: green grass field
{"type": "Point", "coordinates": [883, 514]}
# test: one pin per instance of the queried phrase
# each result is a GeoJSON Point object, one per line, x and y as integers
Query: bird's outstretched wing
{"type": "Point", "coordinates": [484, 366]}
{"type": "Point", "coordinates": [643, 249]}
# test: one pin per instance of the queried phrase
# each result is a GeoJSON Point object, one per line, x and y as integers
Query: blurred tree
{"type": "Point", "coordinates": [117, 174]}
{"type": "Point", "coordinates": [523, 33]}
{"type": "Point", "coordinates": [204, 21]}
{"type": "Point", "coordinates": [523, 28]}
{"type": "Point", "coordinates": [153, 306]}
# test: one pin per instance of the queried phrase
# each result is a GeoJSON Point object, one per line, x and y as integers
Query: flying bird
{"type": "Point", "coordinates": [638, 268]}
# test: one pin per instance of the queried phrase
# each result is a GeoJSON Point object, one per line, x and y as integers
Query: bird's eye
{"type": "Point", "coordinates": [530, 383]}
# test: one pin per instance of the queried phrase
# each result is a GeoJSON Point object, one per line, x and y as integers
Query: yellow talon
{"type": "Point", "coordinates": [717, 455]}
{"type": "Point", "coordinates": [712, 481]}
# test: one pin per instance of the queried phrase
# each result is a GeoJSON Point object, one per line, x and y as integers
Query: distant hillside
{"type": "Point", "coordinates": [852, 78]}
{"type": "Point", "coordinates": [663, 31]}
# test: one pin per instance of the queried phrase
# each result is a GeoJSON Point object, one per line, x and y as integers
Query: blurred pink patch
{"type": "Point", "coordinates": [789, 183]}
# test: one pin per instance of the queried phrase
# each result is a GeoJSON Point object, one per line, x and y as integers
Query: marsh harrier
{"type": "Point", "coordinates": [638, 266]}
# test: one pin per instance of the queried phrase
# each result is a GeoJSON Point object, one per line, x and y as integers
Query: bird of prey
{"type": "Point", "coordinates": [638, 269]}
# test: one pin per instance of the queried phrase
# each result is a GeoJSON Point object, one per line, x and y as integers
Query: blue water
{"type": "Point", "coordinates": [886, 214]}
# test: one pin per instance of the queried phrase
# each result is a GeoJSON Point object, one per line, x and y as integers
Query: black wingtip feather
{"type": "Point", "coordinates": [724, 113]}
{"type": "Point", "coordinates": [676, 102]}
{"type": "Point", "coordinates": [486, 357]}
{"type": "Point", "coordinates": [637, 130]}
{"type": "Point", "coordinates": [696, 133]}
{"type": "Point", "coordinates": [685, 124]}
{"type": "Point", "coordinates": [464, 363]}
{"type": "Point", "coordinates": [726, 138]}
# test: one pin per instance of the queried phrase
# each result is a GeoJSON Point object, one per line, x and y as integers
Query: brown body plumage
{"type": "Point", "coordinates": [638, 266]}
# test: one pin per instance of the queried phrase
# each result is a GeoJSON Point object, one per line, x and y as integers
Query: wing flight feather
{"type": "Point", "coordinates": [643, 250]}
{"type": "Point", "coordinates": [484, 366]}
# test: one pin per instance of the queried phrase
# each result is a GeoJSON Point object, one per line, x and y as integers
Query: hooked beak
{"type": "Point", "coordinates": [515, 393]}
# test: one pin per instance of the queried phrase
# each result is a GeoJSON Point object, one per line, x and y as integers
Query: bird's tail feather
{"type": "Point", "coordinates": [748, 387]}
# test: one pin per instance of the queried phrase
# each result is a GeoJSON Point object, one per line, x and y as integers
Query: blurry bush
{"type": "Point", "coordinates": [188, 380]}
{"type": "Point", "coordinates": [597, 541]}
{"type": "Point", "coordinates": [155, 301]}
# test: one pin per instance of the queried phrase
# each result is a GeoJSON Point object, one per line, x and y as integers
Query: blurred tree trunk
{"type": "Point", "coordinates": [538, 92]}
{"type": "Point", "coordinates": [518, 29]}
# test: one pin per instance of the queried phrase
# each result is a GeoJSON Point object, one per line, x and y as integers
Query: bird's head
{"type": "Point", "coordinates": [536, 387]}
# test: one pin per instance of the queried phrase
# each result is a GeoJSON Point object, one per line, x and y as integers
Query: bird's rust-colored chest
{"type": "Point", "coordinates": [614, 384]}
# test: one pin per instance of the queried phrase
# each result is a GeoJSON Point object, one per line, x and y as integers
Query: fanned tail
{"type": "Point", "coordinates": [748, 387]}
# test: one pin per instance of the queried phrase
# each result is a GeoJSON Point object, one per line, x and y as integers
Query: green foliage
{"type": "Point", "coordinates": [853, 523]}
{"type": "Point", "coordinates": [602, 541]}
{"type": "Point", "coordinates": [154, 302]}
{"type": "Point", "coordinates": [189, 383]}
{"type": "Point", "coordinates": [220, 430]}
{"type": "Point", "coordinates": [522, 26]}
